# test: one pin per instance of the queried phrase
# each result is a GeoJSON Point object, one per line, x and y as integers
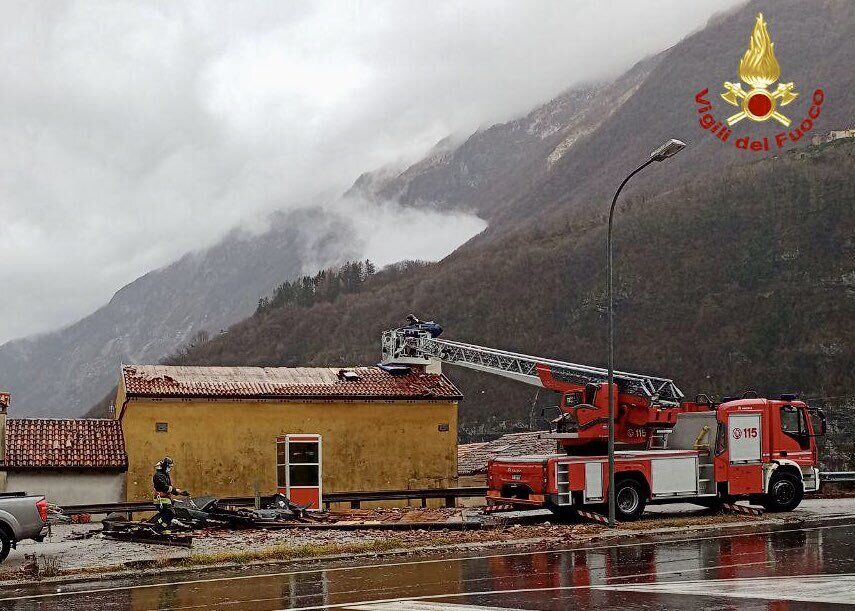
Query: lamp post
{"type": "Point", "coordinates": [669, 149]}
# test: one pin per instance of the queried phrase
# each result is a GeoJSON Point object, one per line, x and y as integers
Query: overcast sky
{"type": "Point", "coordinates": [132, 132]}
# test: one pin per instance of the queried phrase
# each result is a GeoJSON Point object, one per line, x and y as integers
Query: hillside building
{"type": "Point", "coordinates": [233, 431]}
{"type": "Point", "coordinates": [70, 462]}
{"type": "Point", "coordinates": [835, 134]}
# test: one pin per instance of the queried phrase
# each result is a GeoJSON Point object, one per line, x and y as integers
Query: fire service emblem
{"type": "Point", "coordinates": [757, 100]}
{"type": "Point", "coordinates": [758, 69]}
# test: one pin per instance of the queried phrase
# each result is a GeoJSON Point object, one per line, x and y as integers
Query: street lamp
{"type": "Point", "coordinates": [669, 149]}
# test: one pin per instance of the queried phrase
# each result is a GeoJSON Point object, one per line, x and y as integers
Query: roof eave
{"type": "Point", "coordinates": [115, 469]}
{"type": "Point", "coordinates": [455, 397]}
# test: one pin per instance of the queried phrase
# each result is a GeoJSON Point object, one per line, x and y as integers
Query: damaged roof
{"type": "Point", "coordinates": [285, 382]}
{"type": "Point", "coordinates": [472, 457]}
{"type": "Point", "coordinates": [46, 443]}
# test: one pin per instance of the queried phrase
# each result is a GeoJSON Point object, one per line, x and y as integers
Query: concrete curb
{"type": "Point", "coordinates": [654, 535]}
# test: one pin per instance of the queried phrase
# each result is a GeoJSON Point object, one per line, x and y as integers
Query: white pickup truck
{"type": "Point", "coordinates": [22, 516]}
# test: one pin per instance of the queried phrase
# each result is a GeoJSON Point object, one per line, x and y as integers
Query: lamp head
{"type": "Point", "coordinates": [669, 149]}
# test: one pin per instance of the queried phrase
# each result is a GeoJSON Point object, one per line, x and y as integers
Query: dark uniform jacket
{"type": "Point", "coordinates": [162, 483]}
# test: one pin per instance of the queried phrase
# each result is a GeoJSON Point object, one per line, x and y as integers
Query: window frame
{"type": "Point", "coordinates": [802, 424]}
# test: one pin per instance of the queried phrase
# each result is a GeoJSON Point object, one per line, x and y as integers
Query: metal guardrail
{"type": "Point", "coordinates": [836, 476]}
{"type": "Point", "coordinates": [450, 495]}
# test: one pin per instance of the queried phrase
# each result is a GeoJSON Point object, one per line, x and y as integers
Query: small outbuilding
{"type": "Point", "coordinates": [235, 431]}
{"type": "Point", "coordinates": [71, 462]}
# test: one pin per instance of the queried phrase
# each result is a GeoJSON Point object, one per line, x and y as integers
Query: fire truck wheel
{"type": "Point", "coordinates": [629, 500]}
{"type": "Point", "coordinates": [785, 492]}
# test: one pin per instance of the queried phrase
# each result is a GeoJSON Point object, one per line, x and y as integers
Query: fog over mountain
{"type": "Point", "coordinates": [133, 133]}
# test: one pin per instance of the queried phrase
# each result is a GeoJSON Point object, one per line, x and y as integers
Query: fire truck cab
{"type": "Point", "coordinates": [763, 450]}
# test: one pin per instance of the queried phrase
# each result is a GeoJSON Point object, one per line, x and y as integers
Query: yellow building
{"type": "Point", "coordinates": [305, 431]}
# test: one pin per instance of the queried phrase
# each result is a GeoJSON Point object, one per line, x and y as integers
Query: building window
{"type": "Point", "coordinates": [161, 427]}
{"type": "Point", "coordinates": [442, 428]}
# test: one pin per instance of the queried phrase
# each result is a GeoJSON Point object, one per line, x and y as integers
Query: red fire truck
{"type": "Point", "coordinates": [671, 450]}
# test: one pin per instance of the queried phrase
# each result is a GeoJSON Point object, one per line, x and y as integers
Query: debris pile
{"type": "Point", "coordinates": [276, 511]}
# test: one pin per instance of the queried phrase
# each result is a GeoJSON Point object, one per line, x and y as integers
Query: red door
{"type": "Point", "coordinates": [298, 469]}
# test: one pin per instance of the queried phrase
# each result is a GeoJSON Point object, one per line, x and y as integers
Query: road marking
{"type": "Point", "coordinates": [425, 606]}
{"type": "Point", "coordinates": [411, 563]}
{"type": "Point", "coordinates": [829, 589]}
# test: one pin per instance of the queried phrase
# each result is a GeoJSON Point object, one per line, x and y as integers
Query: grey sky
{"type": "Point", "coordinates": [132, 132]}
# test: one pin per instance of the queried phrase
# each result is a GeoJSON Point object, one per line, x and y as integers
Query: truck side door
{"type": "Point", "coordinates": [744, 455]}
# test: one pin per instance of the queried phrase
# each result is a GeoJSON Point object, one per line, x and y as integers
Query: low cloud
{"type": "Point", "coordinates": [133, 132]}
{"type": "Point", "coordinates": [387, 232]}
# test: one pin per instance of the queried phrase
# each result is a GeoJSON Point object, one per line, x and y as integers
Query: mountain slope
{"type": "Point", "coordinates": [477, 174]}
{"type": "Point", "coordinates": [65, 372]}
{"type": "Point", "coordinates": [552, 170]}
{"type": "Point", "coordinates": [563, 160]}
{"type": "Point", "coordinates": [737, 279]}
{"type": "Point", "coordinates": [720, 287]}
{"type": "Point", "coordinates": [813, 44]}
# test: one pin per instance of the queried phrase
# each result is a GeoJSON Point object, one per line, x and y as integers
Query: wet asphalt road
{"type": "Point", "coordinates": [797, 569]}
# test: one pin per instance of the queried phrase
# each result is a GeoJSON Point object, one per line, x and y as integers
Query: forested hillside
{"type": "Point", "coordinates": [733, 280]}
{"type": "Point", "coordinates": [813, 44]}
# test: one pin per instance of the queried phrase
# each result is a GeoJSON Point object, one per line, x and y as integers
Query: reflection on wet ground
{"type": "Point", "coordinates": [760, 571]}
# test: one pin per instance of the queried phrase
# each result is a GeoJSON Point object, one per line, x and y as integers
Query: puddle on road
{"type": "Point", "coordinates": [563, 577]}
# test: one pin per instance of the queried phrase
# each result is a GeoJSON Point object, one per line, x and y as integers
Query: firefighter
{"type": "Point", "coordinates": [415, 326]}
{"type": "Point", "coordinates": [163, 492]}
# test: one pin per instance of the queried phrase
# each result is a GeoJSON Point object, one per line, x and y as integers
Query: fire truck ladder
{"type": "Point", "coordinates": [410, 347]}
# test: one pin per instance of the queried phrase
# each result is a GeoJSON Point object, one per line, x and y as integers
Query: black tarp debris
{"type": "Point", "coordinates": [276, 511]}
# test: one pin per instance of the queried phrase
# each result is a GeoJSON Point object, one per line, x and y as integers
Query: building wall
{"type": "Point", "coordinates": [70, 487]}
{"type": "Point", "coordinates": [228, 447]}
{"type": "Point", "coordinates": [841, 133]}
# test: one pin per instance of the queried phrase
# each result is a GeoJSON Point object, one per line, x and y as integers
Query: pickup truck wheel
{"type": "Point", "coordinates": [5, 545]}
{"type": "Point", "coordinates": [785, 492]}
{"type": "Point", "coordinates": [629, 500]}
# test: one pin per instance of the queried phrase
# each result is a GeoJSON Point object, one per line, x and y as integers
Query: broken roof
{"type": "Point", "coordinates": [285, 382]}
{"type": "Point", "coordinates": [472, 457]}
{"type": "Point", "coordinates": [46, 443]}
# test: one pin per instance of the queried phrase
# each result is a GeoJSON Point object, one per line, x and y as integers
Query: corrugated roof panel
{"type": "Point", "coordinates": [472, 457]}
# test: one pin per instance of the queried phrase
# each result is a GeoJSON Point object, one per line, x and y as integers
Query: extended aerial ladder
{"type": "Point", "coordinates": [644, 403]}
{"type": "Point", "coordinates": [763, 450]}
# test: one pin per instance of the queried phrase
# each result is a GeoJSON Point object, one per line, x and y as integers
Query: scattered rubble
{"type": "Point", "coordinates": [206, 515]}
{"type": "Point", "coordinates": [276, 511]}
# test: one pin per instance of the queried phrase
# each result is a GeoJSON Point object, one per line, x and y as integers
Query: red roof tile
{"type": "Point", "coordinates": [472, 457]}
{"type": "Point", "coordinates": [296, 382]}
{"type": "Point", "coordinates": [39, 443]}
